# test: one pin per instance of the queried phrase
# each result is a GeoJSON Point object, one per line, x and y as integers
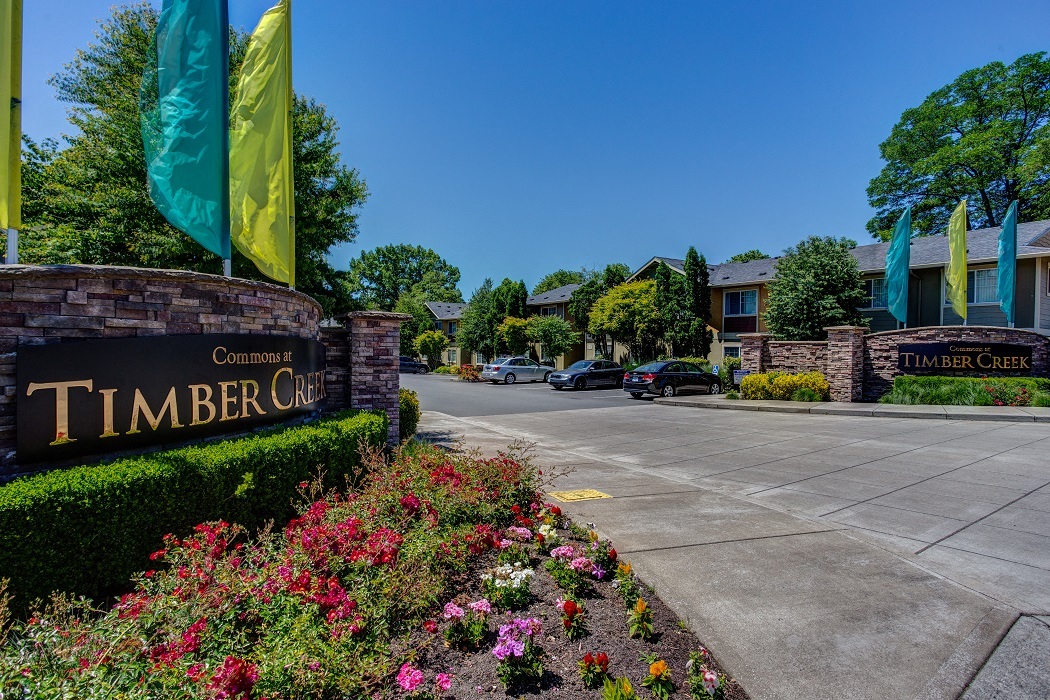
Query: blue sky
{"type": "Point", "coordinates": [515, 138]}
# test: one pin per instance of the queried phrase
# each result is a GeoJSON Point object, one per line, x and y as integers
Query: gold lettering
{"type": "Point", "coordinates": [984, 360]}
{"type": "Point", "coordinates": [140, 407]}
{"type": "Point", "coordinates": [195, 393]}
{"type": "Point", "coordinates": [300, 386]}
{"type": "Point", "coordinates": [997, 363]}
{"type": "Point", "coordinates": [215, 355]}
{"type": "Point", "coordinates": [311, 387]}
{"type": "Point", "coordinates": [61, 405]}
{"type": "Point", "coordinates": [929, 361]}
{"type": "Point", "coordinates": [225, 400]}
{"type": "Point", "coordinates": [250, 397]}
{"type": "Point", "coordinates": [273, 390]}
{"type": "Point", "coordinates": [967, 361]}
{"type": "Point", "coordinates": [107, 413]}
{"type": "Point", "coordinates": [321, 393]}
{"type": "Point", "coordinates": [1024, 363]}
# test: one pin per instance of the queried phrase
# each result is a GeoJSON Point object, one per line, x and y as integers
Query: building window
{"type": "Point", "coordinates": [437, 325]}
{"type": "Point", "coordinates": [479, 359]}
{"type": "Point", "coordinates": [452, 355]}
{"type": "Point", "coordinates": [452, 325]}
{"type": "Point", "coordinates": [731, 351]}
{"type": "Point", "coordinates": [982, 287]}
{"type": "Point", "coordinates": [743, 303]}
{"type": "Point", "coordinates": [552, 311]}
{"type": "Point", "coordinates": [875, 290]}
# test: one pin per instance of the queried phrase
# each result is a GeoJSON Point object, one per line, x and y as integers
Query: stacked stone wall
{"type": "Point", "coordinates": [880, 350]}
{"type": "Point", "coordinates": [375, 340]}
{"type": "Point", "coordinates": [796, 356]}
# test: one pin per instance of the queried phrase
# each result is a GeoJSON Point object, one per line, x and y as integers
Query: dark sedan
{"type": "Point", "coordinates": [670, 378]}
{"type": "Point", "coordinates": [412, 365]}
{"type": "Point", "coordinates": [587, 373]}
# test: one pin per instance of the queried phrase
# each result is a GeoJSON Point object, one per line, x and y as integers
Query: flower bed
{"type": "Point", "coordinates": [969, 391]}
{"type": "Point", "coordinates": [441, 576]}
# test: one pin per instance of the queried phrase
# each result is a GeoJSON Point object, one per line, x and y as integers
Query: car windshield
{"type": "Point", "coordinates": [582, 364]}
{"type": "Point", "coordinates": [651, 367]}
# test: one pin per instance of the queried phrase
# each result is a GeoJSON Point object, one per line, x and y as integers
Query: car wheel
{"type": "Point", "coordinates": [580, 384]}
{"type": "Point", "coordinates": [546, 378]}
{"type": "Point", "coordinates": [668, 390]}
{"type": "Point", "coordinates": [509, 379]}
{"type": "Point", "coordinates": [715, 388]}
{"type": "Point", "coordinates": [636, 394]}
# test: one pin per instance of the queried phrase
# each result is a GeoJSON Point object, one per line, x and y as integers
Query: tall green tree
{"type": "Point", "coordinates": [629, 314]}
{"type": "Point", "coordinates": [508, 299]}
{"type": "Point", "coordinates": [817, 285]}
{"type": "Point", "coordinates": [748, 256]}
{"type": "Point", "coordinates": [592, 290]}
{"type": "Point", "coordinates": [475, 335]}
{"type": "Point", "coordinates": [559, 278]}
{"type": "Point", "coordinates": [91, 206]}
{"type": "Point", "coordinates": [430, 344]}
{"type": "Point", "coordinates": [553, 334]}
{"type": "Point", "coordinates": [514, 335]}
{"type": "Point", "coordinates": [698, 304]}
{"type": "Point", "coordinates": [379, 277]}
{"type": "Point", "coordinates": [985, 136]}
{"type": "Point", "coordinates": [675, 319]}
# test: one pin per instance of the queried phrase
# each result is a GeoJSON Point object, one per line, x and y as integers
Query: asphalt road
{"type": "Point", "coordinates": [458, 398]}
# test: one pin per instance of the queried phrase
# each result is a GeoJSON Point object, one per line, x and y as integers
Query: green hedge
{"type": "Point", "coordinates": [966, 391]}
{"type": "Point", "coordinates": [407, 413]}
{"type": "Point", "coordinates": [85, 530]}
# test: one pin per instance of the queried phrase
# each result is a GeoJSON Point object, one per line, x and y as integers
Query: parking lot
{"type": "Point", "coordinates": [812, 552]}
{"type": "Point", "coordinates": [458, 398]}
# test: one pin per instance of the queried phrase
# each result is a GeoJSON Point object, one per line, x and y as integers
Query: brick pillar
{"type": "Point", "coordinates": [375, 339]}
{"type": "Point", "coordinates": [336, 341]}
{"type": "Point", "coordinates": [846, 362]}
{"type": "Point", "coordinates": [753, 351]}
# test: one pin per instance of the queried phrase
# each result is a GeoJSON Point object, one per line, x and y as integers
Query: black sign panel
{"type": "Point", "coordinates": [964, 358]}
{"type": "Point", "coordinates": [110, 395]}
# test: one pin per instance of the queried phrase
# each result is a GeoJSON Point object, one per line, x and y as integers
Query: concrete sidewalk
{"type": "Point", "coordinates": [794, 606]}
{"type": "Point", "coordinates": [878, 410]}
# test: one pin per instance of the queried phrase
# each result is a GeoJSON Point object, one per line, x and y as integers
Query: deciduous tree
{"type": "Point", "coordinates": [559, 278]}
{"type": "Point", "coordinates": [380, 276]}
{"type": "Point", "coordinates": [628, 313]}
{"type": "Point", "coordinates": [592, 290]}
{"type": "Point", "coordinates": [748, 256]}
{"type": "Point", "coordinates": [985, 136]}
{"type": "Point", "coordinates": [514, 334]}
{"type": "Point", "coordinates": [817, 285]}
{"type": "Point", "coordinates": [554, 335]}
{"type": "Point", "coordinates": [431, 344]}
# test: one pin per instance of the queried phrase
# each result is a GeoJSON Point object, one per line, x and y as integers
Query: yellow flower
{"type": "Point", "coordinates": [624, 568]}
{"type": "Point", "coordinates": [593, 536]}
{"type": "Point", "coordinates": [640, 606]}
{"type": "Point", "coordinates": [658, 668]}
{"type": "Point", "coordinates": [626, 685]}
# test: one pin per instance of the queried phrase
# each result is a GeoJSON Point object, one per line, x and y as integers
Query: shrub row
{"type": "Point", "coordinates": [86, 529]}
{"type": "Point", "coordinates": [782, 386]}
{"type": "Point", "coordinates": [969, 391]}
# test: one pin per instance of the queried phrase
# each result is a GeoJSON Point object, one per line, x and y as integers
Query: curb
{"type": "Point", "coordinates": [1011, 414]}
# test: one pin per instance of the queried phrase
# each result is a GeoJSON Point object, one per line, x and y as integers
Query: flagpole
{"type": "Point", "coordinates": [224, 16]}
{"type": "Point", "coordinates": [291, 167]}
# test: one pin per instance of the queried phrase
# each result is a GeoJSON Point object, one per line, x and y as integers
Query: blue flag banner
{"type": "Point", "coordinates": [1007, 277]}
{"type": "Point", "coordinates": [184, 103]}
{"type": "Point", "coordinates": [898, 260]}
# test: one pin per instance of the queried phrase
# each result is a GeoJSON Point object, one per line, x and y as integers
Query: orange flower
{"type": "Point", "coordinates": [640, 607]}
{"type": "Point", "coordinates": [624, 568]}
{"type": "Point", "coordinates": [658, 669]}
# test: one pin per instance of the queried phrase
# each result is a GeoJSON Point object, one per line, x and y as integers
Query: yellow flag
{"type": "Point", "coordinates": [10, 114]}
{"type": "Point", "coordinates": [262, 195]}
{"type": "Point", "coordinates": [955, 291]}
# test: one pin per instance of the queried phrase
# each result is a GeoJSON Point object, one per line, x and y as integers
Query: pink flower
{"type": "Point", "coordinates": [566, 551]}
{"type": "Point", "coordinates": [710, 679]}
{"type": "Point", "coordinates": [482, 607]}
{"type": "Point", "coordinates": [453, 611]}
{"type": "Point", "coordinates": [503, 544]}
{"type": "Point", "coordinates": [409, 678]}
{"type": "Point", "coordinates": [443, 681]}
{"type": "Point", "coordinates": [582, 564]}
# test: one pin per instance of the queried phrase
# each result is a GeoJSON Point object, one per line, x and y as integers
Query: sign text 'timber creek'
{"type": "Point", "coordinates": [964, 358]}
{"type": "Point", "coordinates": [109, 395]}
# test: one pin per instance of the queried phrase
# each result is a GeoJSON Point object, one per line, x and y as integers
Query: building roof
{"type": "Point", "coordinates": [446, 311]}
{"type": "Point", "coordinates": [554, 296]}
{"type": "Point", "coordinates": [982, 245]}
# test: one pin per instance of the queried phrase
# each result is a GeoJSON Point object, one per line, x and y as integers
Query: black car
{"type": "Point", "coordinates": [412, 366]}
{"type": "Point", "coordinates": [587, 373]}
{"type": "Point", "coordinates": [669, 378]}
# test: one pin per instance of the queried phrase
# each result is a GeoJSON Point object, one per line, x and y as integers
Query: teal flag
{"type": "Point", "coordinates": [898, 260]}
{"type": "Point", "coordinates": [1008, 264]}
{"type": "Point", "coordinates": [184, 113]}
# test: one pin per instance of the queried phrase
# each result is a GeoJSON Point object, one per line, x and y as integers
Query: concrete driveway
{"type": "Point", "coordinates": [819, 556]}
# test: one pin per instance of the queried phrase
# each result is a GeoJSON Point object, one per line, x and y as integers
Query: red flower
{"type": "Point", "coordinates": [515, 509]}
{"type": "Point", "coordinates": [234, 679]}
{"type": "Point", "coordinates": [430, 626]}
{"type": "Point", "coordinates": [603, 661]}
{"type": "Point", "coordinates": [570, 609]}
{"type": "Point", "coordinates": [556, 511]}
{"type": "Point", "coordinates": [612, 555]}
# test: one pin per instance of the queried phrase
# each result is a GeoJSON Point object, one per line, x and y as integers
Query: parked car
{"type": "Point", "coordinates": [512, 369]}
{"type": "Point", "coordinates": [588, 373]}
{"type": "Point", "coordinates": [669, 378]}
{"type": "Point", "coordinates": [412, 365]}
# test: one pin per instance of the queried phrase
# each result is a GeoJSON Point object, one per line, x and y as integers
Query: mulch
{"type": "Point", "coordinates": [474, 673]}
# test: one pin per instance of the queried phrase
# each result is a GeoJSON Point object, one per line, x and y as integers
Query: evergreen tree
{"type": "Point", "coordinates": [698, 304]}
{"type": "Point", "coordinates": [474, 334]}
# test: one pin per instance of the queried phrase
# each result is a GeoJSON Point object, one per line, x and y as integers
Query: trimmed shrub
{"type": "Point", "coordinates": [85, 530]}
{"type": "Point", "coordinates": [782, 386]}
{"type": "Point", "coordinates": [470, 373]}
{"type": "Point", "coordinates": [969, 391]}
{"type": "Point", "coordinates": [701, 362]}
{"type": "Point", "coordinates": [447, 369]}
{"type": "Point", "coordinates": [408, 413]}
